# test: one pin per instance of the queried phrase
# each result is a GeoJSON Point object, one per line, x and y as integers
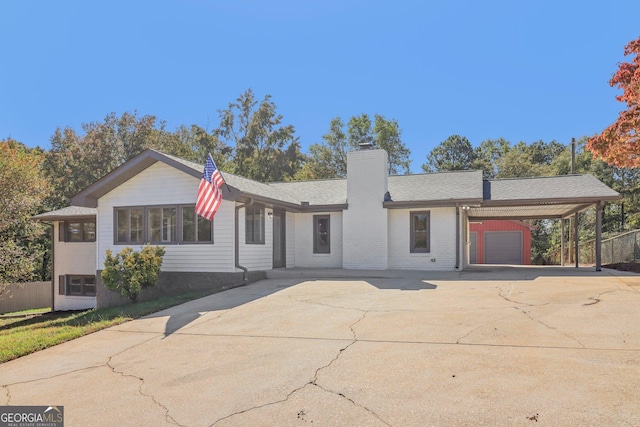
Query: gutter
{"type": "Point", "coordinates": [245, 270]}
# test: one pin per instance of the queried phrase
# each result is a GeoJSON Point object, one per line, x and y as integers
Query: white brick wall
{"type": "Point", "coordinates": [365, 242]}
{"type": "Point", "coordinates": [304, 242]}
{"type": "Point", "coordinates": [443, 241]}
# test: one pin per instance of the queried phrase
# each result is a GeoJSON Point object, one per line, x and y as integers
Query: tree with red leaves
{"type": "Point", "coordinates": [619, 144]}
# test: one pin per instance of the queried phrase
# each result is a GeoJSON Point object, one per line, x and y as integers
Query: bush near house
{"type": "Point", "coordinates": [129, 271]}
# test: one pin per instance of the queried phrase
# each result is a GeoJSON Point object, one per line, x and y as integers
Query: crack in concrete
{"type": "Point", "coordinates": [311, 301]}
{"type": "Point", "coordinates": [86, 368]}
{"type": "Point", "coordinates": [597, 298]}
{"type": "Point", "coordinates": [482, 326]}
{"type": "Point", "coordinates": [353, 402]}
{"type": "Point", "coordinates": [527, 313]}
{"type": "Point", "coordinates": [108, 364]}
{"type": "Point", "coordinates": [244, 411]}
{"type": "Point", "coordinates": [501, 295]}
{"type": "Point", "coordinates": [7, 395]}
{"type": "Point", "coordinates": [314, 380]}
{"type": "Point", "coordinates": [335, 359]}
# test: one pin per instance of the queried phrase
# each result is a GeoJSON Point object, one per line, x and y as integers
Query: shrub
{"type": "Point", "coordinates": [129, 271]}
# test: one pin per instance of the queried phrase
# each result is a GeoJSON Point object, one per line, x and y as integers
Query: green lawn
{"type": "Point", "coordinates": [31, 332]}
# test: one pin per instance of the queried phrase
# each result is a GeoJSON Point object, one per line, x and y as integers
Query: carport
{"type": "Point", "coordinates": [554, 197]}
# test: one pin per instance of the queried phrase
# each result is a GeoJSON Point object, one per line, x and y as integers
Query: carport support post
{"type": "Point", "coordinates": [562, 242]}
{"type": "Point", "coordinates": [575, 237]}
{"type": "Point", "coordinates": [599, 236]}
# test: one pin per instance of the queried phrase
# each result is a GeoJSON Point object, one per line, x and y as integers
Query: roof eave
{"type": "Point", "coordinates": [407, 204]}
{"type": "Point", "coordinates": [45, 217]}
{"type": "Point", "coordinates": [551, 201]}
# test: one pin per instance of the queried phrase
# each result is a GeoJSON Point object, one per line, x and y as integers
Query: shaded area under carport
{"type": "Point", "coordinates": [554, 197]}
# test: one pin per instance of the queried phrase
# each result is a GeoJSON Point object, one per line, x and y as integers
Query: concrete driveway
{"type": "Point", "coordinates": [493, 346]}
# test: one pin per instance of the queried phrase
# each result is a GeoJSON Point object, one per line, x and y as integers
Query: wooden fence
{"type": "Point", "coordinates": [25, 296]}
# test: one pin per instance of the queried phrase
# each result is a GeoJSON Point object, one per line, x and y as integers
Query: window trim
{"type": "Point", "coordinates": [261, 238]}
{"type": "Point", "coordinates": [145, 223]}
{"type": "Point", "coordinates": [316, 248]}
{"type": "Point", "coordinates": [67, 285]}
{"type": "Point", "coordinates": [412, 233]}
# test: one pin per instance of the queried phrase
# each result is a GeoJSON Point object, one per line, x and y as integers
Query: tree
{"type": "Point", "coordinates": [524, 160]}
{"type": "Point", "coordinates": [22, 190]}
{"type": "Point", "coordinates": [129, 272]}
{"type": "Point", "coordinates": [329, 160]}
{"type": "Point", "coordinates": [265, 149]}
{"type": "Point", "coordinates": [454, 153]}
{"type": "Point", "coordinates": [77, 160]}
{"type": "Point", "coordinates": [387, 136]}
{"type": "Point", "coordinates": [193, 143]}
{"type": "Point", "coordinates": [619, 143]}
{"type": "Point", "coordinates": [487, 155]}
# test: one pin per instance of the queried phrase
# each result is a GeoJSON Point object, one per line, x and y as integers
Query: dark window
{"type": "Point", "coordinates": [162, 224]}
{"type": "Point", "coordinates": [130, 227]}
{"type": "Point", "coordinates": [254, 225]}
{"type": "Point", "coordinates": [321, 234]}
{"type": "Point", "coordinates": [83, 286]}
{"type": "Point", "coordinates": [420, 232]}
{"type": "Point", "coordinates": [80, 231]}
{"type": "Point", "coordinates": [194, 227]}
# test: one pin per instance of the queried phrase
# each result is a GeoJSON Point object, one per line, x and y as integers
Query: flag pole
{"type": "Point", "coordinates": [225, 181]}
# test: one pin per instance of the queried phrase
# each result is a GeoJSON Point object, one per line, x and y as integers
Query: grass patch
{"type": "Point", "coordinates": [20, 336]}
{"type": "Point", "coordinates": [27, 312]}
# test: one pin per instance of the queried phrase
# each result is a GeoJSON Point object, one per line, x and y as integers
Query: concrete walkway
{"type": "Point", "coordinates": [492, 346]}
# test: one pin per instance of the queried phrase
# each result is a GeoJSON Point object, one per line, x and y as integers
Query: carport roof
{"type": "Point", "coordinates": [540, 197]}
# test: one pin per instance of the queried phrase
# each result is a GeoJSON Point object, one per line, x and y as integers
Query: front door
{"type": "Point", "coordinates": [279, 240]}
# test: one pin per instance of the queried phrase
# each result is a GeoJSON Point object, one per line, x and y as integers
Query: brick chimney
{"type": "Point", "coordinates": [365, 224]}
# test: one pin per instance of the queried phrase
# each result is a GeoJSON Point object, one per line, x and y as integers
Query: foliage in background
{"type": "Point", "coordinates": [329, 159]}
{"type": "Point", "coordinates": [619, 144]}
{"type": "Point", "coordinates": [22, 191]}
{"type": "Point", "coordinates": [129, 272]}
{"type": "Point", "coordinates": [265, 149]}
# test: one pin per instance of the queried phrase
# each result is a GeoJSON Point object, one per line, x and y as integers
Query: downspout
{"type": "Point", "coordinates": [245, 271]}
{"type": "Point", "coordinates": [457, 236]}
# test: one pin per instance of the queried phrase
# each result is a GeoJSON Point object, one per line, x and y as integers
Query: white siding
{"type": "Point", "coordinates": [304, 242]}
{"type": "Point", "coordinates": [443, 241]}
{"type": "Point", "coordinates": [365, 220]}
{"type": "Point", "coordinates": [75, 258]}
{"type": "Point", "coordinates": [161, 184]}
{"type": "Point", "coordinates": [256, 257]}
{"type": "Point", "coordinates": [291, 239]}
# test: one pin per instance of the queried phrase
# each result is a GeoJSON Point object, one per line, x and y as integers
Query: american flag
{"type": "Point", "coordinates": [209, 191]}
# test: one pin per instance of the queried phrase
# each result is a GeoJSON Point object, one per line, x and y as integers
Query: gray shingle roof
{"type": "Point", "coordinates": [406, 190]}
{"type": "Point", "coordinates": [320, 192]}
{"type": "Point", "coordinates": [442, 186]}
{"type": "Point", "coordinates": [66, 213]}
{"type": "Point", "coordinates": [549, 188]}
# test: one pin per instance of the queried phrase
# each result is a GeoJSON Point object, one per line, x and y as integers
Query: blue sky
{"type": "Point", "coordinates": [524, 71]}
